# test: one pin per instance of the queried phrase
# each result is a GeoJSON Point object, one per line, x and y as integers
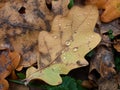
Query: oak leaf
{"type": "Point", "coordinates": [117, 45]}
{"type": "Point", "coordinates": [9, 61]}
{"type": "Point", "coordinates": [64, 48]}
{"type": "Point", "coordinates": [20, 23]}
{"type": "Point", "coordinates": [108, 6]}
{"type": "Point", "coordinates": [102, 62]}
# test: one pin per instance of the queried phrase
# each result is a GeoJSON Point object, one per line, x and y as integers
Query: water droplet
{"type": "Point", "coordinates": [59, 24]}
{"type": "Point", "coordinates": [89, 39]}
{"type": "Point", "coordinates": [75, 49]}
{"type": "Point", "coordinates": [92, 36]}
{"type": "Point", "coordinates": [63, 51]}
{"type": "Point", "coordinates": [55, 37]}
{"type": "Point", "coordinates": [64, 57]}
{"type": "Point", "coordinates": [56, 19]}
{"type": "Point", "coordinates": [54, 62]}
{"type": "Point", "coordinates": [79, 14]}
{"type": "Point", "coordinates": [67, 43]}
{"type": "Point", "coordinates": [65, 27]}
{"type": "Point", "coordinates": [68, 24]}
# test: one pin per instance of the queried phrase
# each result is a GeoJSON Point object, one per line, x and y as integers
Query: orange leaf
{"type": "Point", "coordinates": [3, 84]}
{"type": "Point", "coordinates": [111, 8]}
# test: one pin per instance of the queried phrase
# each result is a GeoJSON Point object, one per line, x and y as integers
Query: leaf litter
{"type": "Point", "coordinates": [55, 39]}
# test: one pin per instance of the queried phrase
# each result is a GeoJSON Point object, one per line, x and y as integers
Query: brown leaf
{"type": "Point", "coordinates": [103, 62]}
{"type": "Point", "coordinates": [105, 84]}
{"type": "Point", "coordinates": [4, 84]}
{"type": "Point", "coordinates": [114, 26]}
{"type": "Point", "coordinates": [60, 6]}
{"type": "Point", "coordinates": [34, 17]}
{"type": "Point", "coordinates": [117, 45]}
{"type": "Point", "coordinates": [88, 84]}
{"type": "Point", "coordinates": [26, 45]}
{"type": "Point", "coordinates": [98, 3]}
{"type": "Point", "coordinates": [14, 86]}
{"type": "Point", "coordinates": [19, 27]}
{"type": "Point", "coordinates": [108, 6]}
{"type": "Point", "coordinates": [8, 63]}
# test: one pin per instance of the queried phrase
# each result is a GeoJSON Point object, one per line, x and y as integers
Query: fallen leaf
{"type": "Point", "coordinates": [14, 86]}
{"type": "Point", "coordinates": [117, 45]}
{"type": "Point", "coordinates": [34, 17]}
{"type": "Point", "coordinates": [105, 84]}
{"type": "Point", "coordinates": [60, 6]}
{"type": "Point", "coordinates": [114, 26]}
{"type": "Point", "coordinates": [64, 48]}
{"type": "Point", "coordinates": [103, 62]}
{"type": "Point", "coordinates": [99, 4]}
{"type": "Point", "coordinates": [4, 84]}
{"type": "Point", "coordinates": [20, 23]}
{"type": "Point", "coordinates": [26, 45]}
{"type": "Point", "coordinates": [88, 84]}
{"type": "Point", "coordinates": [8, 63]}
{"type": "Point", "coordinates": [108, 6]}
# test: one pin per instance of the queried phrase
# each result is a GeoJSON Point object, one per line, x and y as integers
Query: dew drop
{"type": "Point", "coordinates": [88, 23]}
{"type": "Point", "coordinates": [56, 20]}
{"type": "Point", "coordinates": [59, 24]}
{"type": "Point", "coordinates": [92, 36]}
{"type": "Point", "coordinates": [89, 39]}
{"type": "Point", "coordinates": [65, 27]}
{"type": "Point", "coordinates": [63, 51]}
{"type": "Point", "coordinates": [67, 43]}
{"type": "Point", "coordinates": [68, 24]}
{"type": "Point", "coordinates": [64, 58]}
{"type": "Point", "coordinates": [55, 37]}
{"type": "Point", "coordinates": [75, 49]}
{"type": "Point", "coordinates": [79, 14]}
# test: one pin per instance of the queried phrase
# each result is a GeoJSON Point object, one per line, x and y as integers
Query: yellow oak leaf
{"type": "Point", "coordinates": [64, 47]}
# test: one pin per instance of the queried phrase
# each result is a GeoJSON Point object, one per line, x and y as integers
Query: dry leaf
{"type": "Point", "coordinates": [98, 3]}
{"type": "Point", "coordinates": [8, 63]}
{"type": "Point", "coordinates": [103, 62]}
{"type": "Point", "coordinates": [114, 26]}
{"type": "Point", "coordinates": [29, 14]}
{"type": "Point", "coordinates": [4, 84]}
{"type": "Point", "coordinates": [26, 45]}
{"type": "Point", "coordinates": [108, 6]}
{"type": "Point", "coordinates": [60, 6]}
{"type": "Point", "coordinates": [117, 45]}
{"type": "Point", "coordinates": [64, 48]}
{"type": "Point", "coordinates": [105, 84]}
{"type": "Point", "coordinates": [20, 23]}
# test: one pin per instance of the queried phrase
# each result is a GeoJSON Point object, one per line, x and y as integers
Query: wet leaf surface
{"type": "Point", "coordinates": [65, 46]}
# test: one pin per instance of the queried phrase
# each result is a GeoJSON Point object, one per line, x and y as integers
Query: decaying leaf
{"type": "Point", "coordinates": [109, 6]}
{"type": "Point", "coordinates": [64, 48]}
{"type": "Point", "coordinates": [105, 84]}
{"type": "Point", "coordinates": [4, 84]}
{"type": "Point", "coordinates": [103, 62]}
{"type": "Point", "coordinates": [20, 23]}
{"type": "Point", "coordinates": [9, 61]}
{"type": "Point", "coordinates": [117, 45]}
{"type": "Point", "coordinates": [114, 26]}
{"type": "Point", "coordinates": [98, 3]}
{"type": "Point", "coordinates": [60, 6]}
